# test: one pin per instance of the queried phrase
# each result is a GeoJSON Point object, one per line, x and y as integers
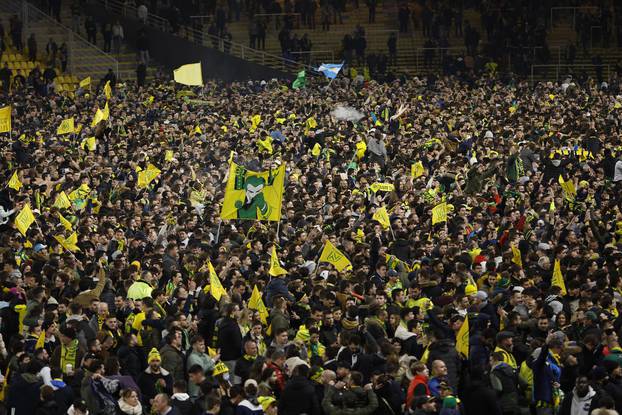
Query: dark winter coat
{"type": "Point", "coordinates": [298, 397]}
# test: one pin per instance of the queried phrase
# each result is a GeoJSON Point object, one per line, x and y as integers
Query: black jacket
{"type": "Point", "coordinates": [298, 397]}
{"type": "Point", "coordinates": [229, 339]}
{"type": "Point", "coordinates": [445, 350]}
{"type": "Point", "coordinates": [147, 383]}
{"type": "Point", "coordinates": [23, 394]}
{"type": "Point", "coordinates": [480, 399]}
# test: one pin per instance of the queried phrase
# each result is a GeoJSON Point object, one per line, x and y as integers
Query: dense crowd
{"type": "Point", "coordinates": [125, 320]}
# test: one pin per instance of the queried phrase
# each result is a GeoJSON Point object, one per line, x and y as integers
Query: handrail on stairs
{"type": "Point", "coordinates": [205, 39]}
{"type": "Point", "coordinates": [30, 14]}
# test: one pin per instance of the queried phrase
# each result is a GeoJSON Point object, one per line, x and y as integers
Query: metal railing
{"type": "Point", "coordinates": [563, 70]}
{"type": "Point", "coordinates": [570, 13]}
{"type": "Point", "coordinates": [203, 38]}
{"type": "Point", "coordinates": [84, 58]}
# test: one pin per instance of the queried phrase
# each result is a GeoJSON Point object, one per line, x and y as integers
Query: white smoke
{"type": "Point", "coordinates": [346, 113]}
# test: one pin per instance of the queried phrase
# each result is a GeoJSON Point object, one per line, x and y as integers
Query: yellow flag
{"type": "Point", "coordinates": [568, 187]}
{"type": "Point", "coordinates": [62, 201]}
{"type": "Point", "coordinates": [417, 170]}
{"type": "Point", "coordinates": [99, 116]}
{"type": "Point", "coordinates": [381, 215]}
{"type": "Point", "coordinates": [66, 224]}
{"type": "Point", "coordinates": [361, 148]}
{"type": "Point", "coordinates": [216, 288]}
{"type": "Point", "coordinates": [275, 265]}
{"type": "Point", "coordinates": [462, 339]}
{"type": "Point", "coordinates": [66, 127]}
{"type": "Point", "coordinates": [334, 257]}
{"type": "Point", "coordinates": [147, 176]}
{"type": "Point", "coordinates": [40, 341]}
{"type": "Point", "coordinates": [89, 144]}
{"type": "Point", "coordinates": [190, 74]}
{"type": "Point", "coordinates": [310, 123]}
{"type": "Point", "coordinates": [385, 187]}
{"type": "Point", "coordinates": [5, 119]}
{"type": "Point", "coordinates": [253, 195]}
{"type": "Point", "coordinates": [197, 130]}
{"type": "Point", "coordinates": [70, 244]}
{"type": "Point", "coordinates": [439, 213]}
{"type": "Point", "coordinates": [516, 256]}
{"type": "Point", "coordinates": [552, 206]}
{"type": "Point", "coordinates": [255, 121]}
{"type": "Point", "coordinates": [107, 90]}
{"type": "Point", "coordinates": [14, 182]}
{"type": "Point", "coordinates": [558, 278]}
{"type": "Point", "coordinates": [106, 111]}
{"type": "Point", "coordinates": [168, 155]}
{"type": "Point", "coordinates": [256, 303]}
{"type": "Point", "coordinates": [265, 145]}
{"type": "Point", "coordinates": [317, 150]}
{"type": "Point", "coordinates": [212, 352]}
{"type": "Point", "coordinates": [24, 219]}
{"type": "Point", "coordinates": [86, 82]}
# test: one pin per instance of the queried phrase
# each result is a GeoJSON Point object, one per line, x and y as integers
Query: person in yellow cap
{"type": "Point", "coordinates": [155, 379]}
{"type": "Point", "coordinates": [268, 404]}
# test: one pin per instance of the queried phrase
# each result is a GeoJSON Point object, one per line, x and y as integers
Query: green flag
{"type": "Point", "coordinates": [300, 81]}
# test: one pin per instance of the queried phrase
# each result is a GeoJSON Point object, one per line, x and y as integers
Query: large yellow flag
{"type": "Point", "coordinates": [256, 303]}
{"type": "Point", "coordinates": [439, 213]}
{"type": "Point", "coordinates": [516, 256]}
{"type": "Point", "coordinates": [107, 90]}
{"type": "Point", "coordinates": [253, 195]}
{"type": "Point", "coordinates": [62, 201]}
{"type": "Point", "coordinates": [558, 278]}
{"type": "Point", "coordinates": [189, 74]}
{"type": "Point", "coordinates": [333, 256]}
{"type": "Point", "coordinates": [70, 244]}
{"type": "Point", "coordinates": [417, 170]}
{"type": "Point", "coordinates": [99, 117]}
{"type": "Point", "coordinates": [66, 127]}
{"type": "Point", "coordinates": [462, 339]}
{"type": "Point", "coordinates": [24, 219]}
{"type": "Point", "coordinates": [382, 217]}
{"type": "Point", "coordinates": [14, 182]}
{"type": "Point", "coordinates": [275, 265]}
{"type": "Point", "coordinates": [86, 82]}
{"type": "Point", "coordinates": [66, 224]}
{"type": "Point", "coordinates": [216, 288]}
{"type": "Point", "coordinates": [147, 176]}
{"type": "Point", "coordinates": [5, 119]}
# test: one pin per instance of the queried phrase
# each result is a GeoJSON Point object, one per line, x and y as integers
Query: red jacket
{"type": "Point", "coordinates": [419, 383]}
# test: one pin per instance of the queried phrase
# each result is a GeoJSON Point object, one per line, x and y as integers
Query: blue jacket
{"type": "Point", "coordinates": [277, 287]}
{"type": "Point", "coordinates": [546, 371]}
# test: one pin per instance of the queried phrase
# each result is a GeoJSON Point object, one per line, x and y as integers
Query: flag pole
{"type": "Point", "coordinates": [391, 229]}
{"type": "Point", "coordinates": [218, 232]}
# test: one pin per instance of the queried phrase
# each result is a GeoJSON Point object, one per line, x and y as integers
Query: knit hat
{"type": "Point", "coordinates": [449, 402]}
{"type": "Point", "coordinates": [265, 402]}
{"type": "Point", "coordinates": [154, 355]}
{"type": "Point", "coordinates": [470, 290]}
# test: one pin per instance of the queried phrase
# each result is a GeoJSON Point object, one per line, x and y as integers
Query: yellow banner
{"type": "Point", "coordinates": [253, 195]}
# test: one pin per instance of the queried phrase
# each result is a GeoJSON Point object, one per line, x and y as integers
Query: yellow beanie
{"type": "Point", "coordinates": [220, 368]}
{"type": "Point", "coordinates": [470, 289]}
{"type": "Point", "coordinates": [265, 402]}
{"type": "Point", "coordinates": [136, 264]}
{"type": "Point", "coordinates": [153, 355]}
